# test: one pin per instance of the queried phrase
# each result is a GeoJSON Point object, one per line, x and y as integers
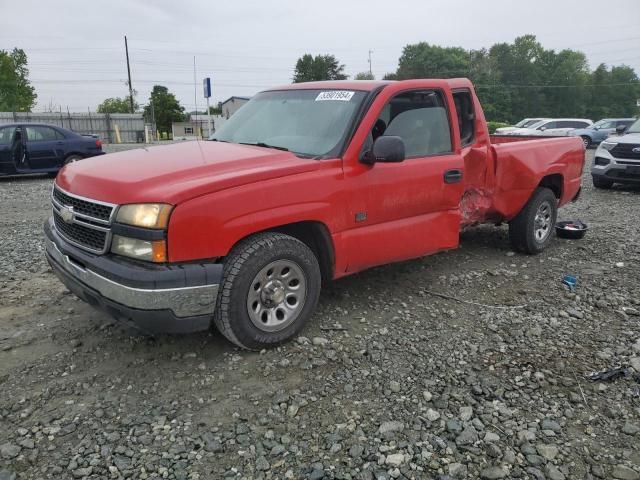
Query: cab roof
{"type": "Point", "coordinates": [366, 85]}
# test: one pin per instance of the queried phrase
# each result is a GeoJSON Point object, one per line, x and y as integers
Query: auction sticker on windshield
{"type": "Point", "coordinates": [342, 95]}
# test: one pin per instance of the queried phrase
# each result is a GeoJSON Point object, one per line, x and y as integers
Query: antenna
{"type": "Point", "coordinates": [370, 71]}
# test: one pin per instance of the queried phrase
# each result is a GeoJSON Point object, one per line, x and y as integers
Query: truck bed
{"type": "Point", "coordinates": [496, 139]}
{"type": "Point", "coordinates": [520, 163]}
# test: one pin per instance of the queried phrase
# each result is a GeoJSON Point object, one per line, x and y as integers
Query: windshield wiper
{"type": "Point", "coordinates": [265, 145]}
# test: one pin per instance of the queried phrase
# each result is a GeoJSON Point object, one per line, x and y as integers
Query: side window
{"type": "Point", "coordinates": [548, 125]}
{"type": "Point", "coordinates": [466, 116]}
{"type": "Point", "coordinates": [6, 135]}
{"type": "Point", "coordinates": [420, 119]}
{"type": "Point", "coordinates": [40, 134]}
{"type": "Point", "coordinates": [626, 123]}
{"type": "Point", "coordinates": [59, 135]}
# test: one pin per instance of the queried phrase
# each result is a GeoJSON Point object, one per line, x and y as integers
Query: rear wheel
{"type": "Point", "coordinates": [602, 183]}
{"type": "Point", "coordinates": [586, 140]}
{"type": "Point", "coordinates": [532, 229]}
{"type": "Point", "coordinates": [270, 288]}
{"type": "Point", "coordinates": [72, 158]}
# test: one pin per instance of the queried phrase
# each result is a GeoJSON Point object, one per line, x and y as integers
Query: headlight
{"type": "Point", "coordinates": [148, 250]}
{"type": "Point", "coordinates": [146, 215]}
{"type": "Point", "coordinates": [608, 145]}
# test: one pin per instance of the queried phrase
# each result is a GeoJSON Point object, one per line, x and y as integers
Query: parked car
{"type": "Point", "coordinates": [600, 130]}
{"type": "Point", "coordinates": [41, 148]}
{"type": "Point", "coordinates": [526, 123]}
{"type": "Point", "coordinates": [617, 159]}
{"type": "Point", "coordinates": [306, 183]}
{"type": "Point", "coordinates": [555, 127]}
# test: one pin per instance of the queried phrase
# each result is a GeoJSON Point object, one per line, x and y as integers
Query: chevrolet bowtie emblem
{"type": "Point", "coordinates": [66, 213]}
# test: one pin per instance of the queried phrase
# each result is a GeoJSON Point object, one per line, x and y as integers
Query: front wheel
{"type": "Point", "coordinates": [532, 229]}
{"type": "Point", "coordinates": [270, 288]}
{"type": "Point", "coordinates": [587, 141]}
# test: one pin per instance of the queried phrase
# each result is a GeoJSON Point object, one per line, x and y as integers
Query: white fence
{"type": "Point", "coordinates": [130, 125]}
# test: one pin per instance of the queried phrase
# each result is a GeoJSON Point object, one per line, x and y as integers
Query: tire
{"type": "Point", "coordinates": [586, 140]}
{"type": "Point", "coordinates": [255, 308]}
{"type": "Point", "coordinates": [72, 158]}
{"type": "Point", "coordinates": [532, 229]}
{"type": "Point", "coordinates": [601, 183]}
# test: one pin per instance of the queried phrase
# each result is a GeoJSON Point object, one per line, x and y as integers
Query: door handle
{"type": "Point", "coordinates": [453, 176]}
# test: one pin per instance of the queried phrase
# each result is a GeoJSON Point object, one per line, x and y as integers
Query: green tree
{"type": "Point", "coordinates": [16, 92]}
{"type": "Point", "coordinates": [164, 107]}
{"type": "Point", "coordinates": [321, 67]}
{"type": "Point", "coordinates": [116, 105]}
{"type": "Point", "coordinates": [423, 60]}
{"type": "Point", "coordinates": [364, 76]}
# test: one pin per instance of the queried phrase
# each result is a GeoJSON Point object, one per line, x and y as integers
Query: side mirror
{"type": "Point", "coordinates": [596, 128]}
{"type": "Point", "coordinates": [620, 129]}
{"type": "Point", "coordinates": [542, 129]}
{"type": "Point", "coordinates": [387, 148]}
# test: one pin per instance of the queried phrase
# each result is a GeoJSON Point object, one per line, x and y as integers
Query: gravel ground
{"type": "Point", "coordinates": [388, 381]}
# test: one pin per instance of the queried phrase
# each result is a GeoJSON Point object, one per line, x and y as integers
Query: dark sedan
{"type": "Point", "coordinates": [41, 148]}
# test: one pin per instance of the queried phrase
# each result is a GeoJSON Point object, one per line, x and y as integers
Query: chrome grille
{"type": "Point", "coordinates": [87, 237]}
{"type": "Point", "coordinates": [91, 209]}
{"type": "Point", "coordinates": [82, 222]}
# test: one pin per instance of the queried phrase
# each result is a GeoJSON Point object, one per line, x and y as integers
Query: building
{"type": "Point", "coordinates": [196, 127]}
{"type": "Point", "coordinates": [232, 104]}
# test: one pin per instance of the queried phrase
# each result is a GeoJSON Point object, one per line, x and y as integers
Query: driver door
{"type": "Point", "coordinates": [7, 165]}
{"type": "Point", "coordinates": [408, 209]}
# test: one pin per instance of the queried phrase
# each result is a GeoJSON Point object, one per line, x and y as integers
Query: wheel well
{"type": "Point", "coordinates": [317, 237]}
{"type": "Point", "coordinates": [554, 183]}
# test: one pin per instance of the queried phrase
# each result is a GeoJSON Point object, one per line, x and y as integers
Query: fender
{"type": "Point", "coordinates": [236, 213]}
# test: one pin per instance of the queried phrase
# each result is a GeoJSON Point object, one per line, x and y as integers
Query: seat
{"type": "Point", "coordinates": [425, 131]}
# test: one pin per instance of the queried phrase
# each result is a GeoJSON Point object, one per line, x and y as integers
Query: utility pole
{"type": "Point", "coordinates": [126, 49]}
{"type": "Point", "coordinates": [370, 71]}
{"type": "Point", "coordinates": [195, 94]}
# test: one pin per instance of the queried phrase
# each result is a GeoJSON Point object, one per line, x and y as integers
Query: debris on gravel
{"type": "Point", "coordinates": [412, 386]}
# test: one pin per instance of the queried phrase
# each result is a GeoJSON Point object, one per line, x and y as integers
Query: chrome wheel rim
{"type": "Point", "coordinates": [542, 222]}
{"type": "Point", "coordinates": [277, 295]}
{"type": "Point", "coordinates": [586, 141]}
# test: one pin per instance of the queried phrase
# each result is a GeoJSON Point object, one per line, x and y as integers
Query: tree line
{"type": "Point", "coordinates": [513, 80]}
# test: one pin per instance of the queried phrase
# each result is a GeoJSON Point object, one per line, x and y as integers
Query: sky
{"type": "Point", "coordinates": [77, 58]}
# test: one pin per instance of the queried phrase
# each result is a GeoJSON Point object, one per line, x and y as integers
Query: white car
{"type": "Point", "coordinates": [526, 123]}
{"type": "Point", "coordinates": [554, 127]}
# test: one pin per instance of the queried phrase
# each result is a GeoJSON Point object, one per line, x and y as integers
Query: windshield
{"type": "Point", "coordinates": [635, 128]}
{"type": "Point", "coordinates": [604, 124]}
{"type": "Point", "coordinates": [522, 123]}
{"type": "Point", "coordinates": [310, 123]}
{"type": "Point", "coordinates": [537, 124]}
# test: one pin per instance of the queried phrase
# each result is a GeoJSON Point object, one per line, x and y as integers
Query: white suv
{"type": "Point", "coordinates": [554, 127]}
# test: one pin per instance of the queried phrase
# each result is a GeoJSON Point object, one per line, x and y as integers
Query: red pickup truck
{"type": "Point", "coordinates": [306, 183]}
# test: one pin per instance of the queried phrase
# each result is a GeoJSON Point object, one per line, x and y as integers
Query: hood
{"type": "Point", "coordinates": [177, 172]}
{"type": "Point", "coordinates": [582, 131]}
{"type": "Point", "coordinates": [505, 129]}
{"type": "Point", "coordinates": [523, 131]}
{"type": "Point", "coordinates": [633, 138]}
